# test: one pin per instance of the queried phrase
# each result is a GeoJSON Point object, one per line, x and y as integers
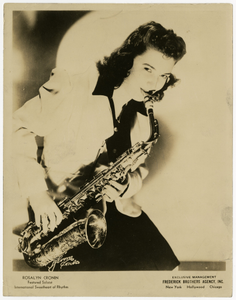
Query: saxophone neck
{"type": "Point", "coordinates": [154, 128]}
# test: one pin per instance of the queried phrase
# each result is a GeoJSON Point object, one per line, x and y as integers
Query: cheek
{"type": "Point", "coordinates": [140, 79]}
{"type": "Point", "coordinates": [135, 79]}
{"type": "Point", "coordinates": [160, 84]}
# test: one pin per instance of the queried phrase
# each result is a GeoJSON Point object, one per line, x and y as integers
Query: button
{"type": "Point", "coordinates": [115, 129]}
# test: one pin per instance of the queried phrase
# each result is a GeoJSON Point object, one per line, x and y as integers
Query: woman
{"type": "Point", "coordinates": [62, 115]}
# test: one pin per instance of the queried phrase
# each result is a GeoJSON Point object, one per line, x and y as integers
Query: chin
{"type": "Point", "coordinates": [142, 95]}
{"type": "Point", "coordinates": [139, 99]}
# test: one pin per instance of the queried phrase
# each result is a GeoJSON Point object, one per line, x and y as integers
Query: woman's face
{"type": "Point", "coordinates": [150, 72]}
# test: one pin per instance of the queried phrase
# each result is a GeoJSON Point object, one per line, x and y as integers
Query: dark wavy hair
{"type": "Point", "coordinates": [115, 68]}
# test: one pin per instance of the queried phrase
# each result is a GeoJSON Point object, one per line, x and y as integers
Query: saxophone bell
{"type": "Point", "coordinates": [96, 229]}
{"type": "Point", "coordinates": [91, 229]}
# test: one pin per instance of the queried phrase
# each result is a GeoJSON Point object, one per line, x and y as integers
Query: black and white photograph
{"type": "Point", "coordinates": [118, 150]}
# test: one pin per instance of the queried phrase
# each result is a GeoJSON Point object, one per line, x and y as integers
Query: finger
{"type": "Point", "coordinates": [118, 186]}
{"type": "Point", "coordinates": [52, 221]}
{"type": "Point", "coordinates": [106, 197]}
{"type": "Point", "coordinates": [58, 216]}
{"type": "Point", "coordinates": [57, 196]}
{"type": "Point", "coordinates": [115, 185]}
{"type": "Point", "coordinates": [37, 219]}
{"type": "Point", "coordinates": [111, 192]}
{"type": "Point", "coordinates": [72, 187]}
{"type": "Point", "coordinates": [104, 205]}
{"type": "Point", "coordinates": [44, 219]}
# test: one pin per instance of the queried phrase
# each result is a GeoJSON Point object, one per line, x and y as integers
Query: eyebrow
{"type": "Point", "coordinates": [149, 66]}
{"type": "Point", "coordinates": [146, 64]}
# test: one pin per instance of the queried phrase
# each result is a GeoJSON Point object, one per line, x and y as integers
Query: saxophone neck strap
{"type": "Point", "coordinates": [95, 162]}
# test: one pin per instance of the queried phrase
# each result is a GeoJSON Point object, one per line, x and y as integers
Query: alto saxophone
{"type": "Point", "coordinates": [81, 222]}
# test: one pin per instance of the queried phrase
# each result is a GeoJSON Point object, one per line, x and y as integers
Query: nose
{"type": "Point", "coordinates": [156, 83]}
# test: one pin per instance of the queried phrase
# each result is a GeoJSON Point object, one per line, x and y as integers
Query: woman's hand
{"type": "Point", "coordinates": [46, 212]}
{"type": "Point", "coordinates": [123, 194]}
{"type": "Point", "coordinates": [114, 190]}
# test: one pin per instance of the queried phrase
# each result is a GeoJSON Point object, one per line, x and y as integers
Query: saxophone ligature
{"type": "Point", "coordinates": [81, 222]}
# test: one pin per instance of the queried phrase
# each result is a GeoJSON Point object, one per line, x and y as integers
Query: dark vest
{"type": "Point", "coordinates": [120, 141]}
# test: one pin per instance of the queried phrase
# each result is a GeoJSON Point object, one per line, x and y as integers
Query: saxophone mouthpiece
{"type": "Point", "coordinates": [148, 104]}
{"type": "Point", "coordinates": [148, 97]}
{"type": "Point", "coordinates": [148, 101]}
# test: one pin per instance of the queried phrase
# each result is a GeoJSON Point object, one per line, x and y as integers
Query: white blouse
{"type": "Point", "coordinates": [73, 123]}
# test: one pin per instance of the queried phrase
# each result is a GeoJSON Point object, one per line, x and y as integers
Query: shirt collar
{"type": "Point", "coordinates": [103, 87]}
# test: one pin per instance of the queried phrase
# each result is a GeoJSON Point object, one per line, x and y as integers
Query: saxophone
{"type": "Point", "coordinates": [81, 222]}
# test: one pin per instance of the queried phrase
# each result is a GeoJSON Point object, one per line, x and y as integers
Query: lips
{"type": "Point", "coordinates": [148, 93]}
{"type": "Point", "coordinates": [150, 96]}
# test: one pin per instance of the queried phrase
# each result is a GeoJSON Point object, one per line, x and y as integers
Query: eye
{"type": "Point", "coordinates": [167, 77]}
{"type": "Point", "coordinates": [148, 69]}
